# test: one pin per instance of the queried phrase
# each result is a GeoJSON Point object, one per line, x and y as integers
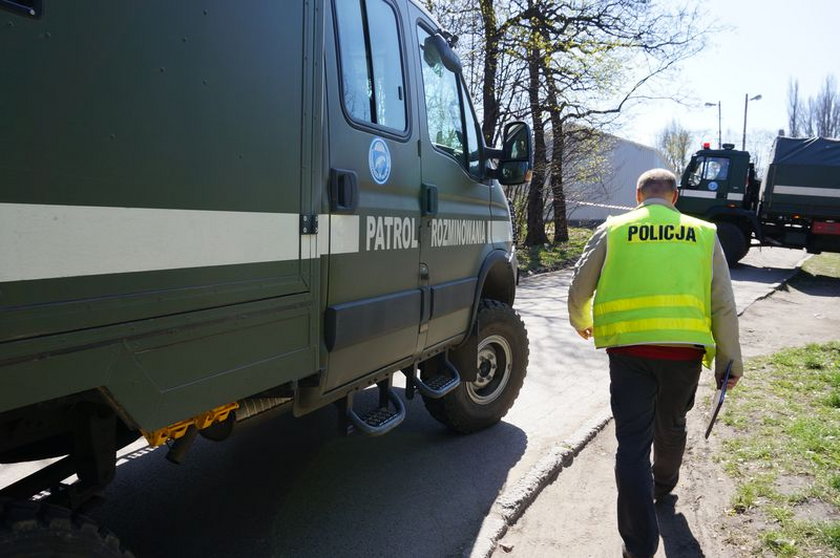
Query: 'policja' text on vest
{"type": "Point", "coordinates": [645, 233]}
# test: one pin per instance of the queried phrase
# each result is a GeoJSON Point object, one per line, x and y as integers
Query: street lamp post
{"type": "Point", "coordinates": [747, 99]}
{"type": "Point", "coordinates": [720, 141]}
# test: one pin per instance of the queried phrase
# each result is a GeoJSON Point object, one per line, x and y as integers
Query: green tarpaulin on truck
{"type": "Point", "coordinates": [803, 178]}
{"type": "Point", "coordinates": [807, 151]}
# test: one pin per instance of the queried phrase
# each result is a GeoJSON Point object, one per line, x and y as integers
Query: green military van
{"type": "Point", "coordinates": [210, 209]}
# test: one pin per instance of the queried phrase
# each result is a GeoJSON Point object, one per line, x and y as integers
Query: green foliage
{"type": "Point", "coordinates": [831, 535]}
{"type": "Point", "coordinates": [552, 257]}
{"type": "Point", "coordinates": [779, 544]}
{"type": "Point", "coordinates": [566, 65]}
{"type": "Point", "coordinates": [825, 265]}
{"type": "Point", "coordinates": [785, 453]}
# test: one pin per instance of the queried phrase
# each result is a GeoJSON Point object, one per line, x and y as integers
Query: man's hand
{"type": "Point", "coordinates": [730, 384]}
{"type": "Point", "coordinates": [585, 333]}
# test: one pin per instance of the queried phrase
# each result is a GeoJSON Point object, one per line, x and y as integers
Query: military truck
{"type": "Point", "coordinates": [209, 210]}
{"type": "Point", "coordinates": [796, 205]}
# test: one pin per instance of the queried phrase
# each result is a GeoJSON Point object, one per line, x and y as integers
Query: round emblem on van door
{"type": "Point", "coordinates": [713, 186]}
{"type": "Point", "coordinates": [379, 161]}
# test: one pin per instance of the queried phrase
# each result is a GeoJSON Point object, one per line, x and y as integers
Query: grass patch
{"type": "Point", "coordinates": [785, 453]}
{"type": "Point", "coordinates": [826, 265]}
{"type": "Point", "coordinates": [552, 257]}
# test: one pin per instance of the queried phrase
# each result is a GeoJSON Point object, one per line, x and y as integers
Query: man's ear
{"type": "Point", "coordinates": [638, 196]}
{"type": "Point", "coordinates": [676, 195]}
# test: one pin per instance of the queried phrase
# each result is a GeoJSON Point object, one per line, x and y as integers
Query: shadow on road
{"type": "Point", "coordinates": [745, 272]}
{"type": "Point", "coordinates": [677, 539]}
{"type": "Point", "coordinates": [295, 487]}
{"type": "Point", "coordinates": [816, 285]}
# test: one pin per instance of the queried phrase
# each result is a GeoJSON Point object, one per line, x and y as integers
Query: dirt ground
{"type": "Point", "coordinates": [574, 517]}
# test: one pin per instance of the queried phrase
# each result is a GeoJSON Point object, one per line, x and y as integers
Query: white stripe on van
{"type": "Point", "coordinates": [735, 197]}
{"type": "Point", "coordinates": [39, 241]}
{"type": "Point", "coordinates": [343, 234]}
{"type": "Point", "coordinates": [501, 231]}
{"type": "Point", "coordinates": [50, 241]}
{"type": "Point", "coordinates": [804, 191]}
{"type": "Point", "coordinates": [686, 193]}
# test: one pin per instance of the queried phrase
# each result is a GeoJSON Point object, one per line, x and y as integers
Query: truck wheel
{"type": "Point", "coordinates": [733, 241]}
{"type": "Point", "coordinates": [29, 529]}
{"type": "Point", "coordinates": [499, 357]}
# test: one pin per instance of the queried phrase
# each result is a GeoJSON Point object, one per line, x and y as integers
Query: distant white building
{"type": "Point", "coordinates": [614, 189]}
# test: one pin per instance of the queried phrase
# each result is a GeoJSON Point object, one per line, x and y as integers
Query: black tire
{"type": "Point", "coordinates": [499, 356]}
{"type": "Point", "coordinates": [31, 529]}
{"type": "Point", "coordinates": [734, 242]}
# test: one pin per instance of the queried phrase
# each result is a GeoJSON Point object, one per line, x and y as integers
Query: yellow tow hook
{"type": "Point", "coordinates": [181, 435]}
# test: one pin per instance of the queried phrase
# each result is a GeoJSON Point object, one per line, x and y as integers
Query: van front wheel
{"type": "Point", "coordinates": [734, 242]}
{"type": "Point", "coordinates": [497, 358]}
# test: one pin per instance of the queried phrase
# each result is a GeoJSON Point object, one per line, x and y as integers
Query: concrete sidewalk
{"type": "Point", "coordinates": [565, 401]}
{"type": "Point", "coordinates": [574, 517]}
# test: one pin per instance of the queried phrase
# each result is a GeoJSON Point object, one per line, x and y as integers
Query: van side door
{"type": "Point", "coordinates": [455, 236]}
{"type": "Point", "coordinates": [373, 305]}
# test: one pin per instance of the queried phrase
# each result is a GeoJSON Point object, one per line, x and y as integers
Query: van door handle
{"type": "Point", "coordinates": [429, 203]}
{"type": "Point", "coordinates": [344, 190]}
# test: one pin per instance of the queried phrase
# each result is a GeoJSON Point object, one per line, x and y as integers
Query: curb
{"type": "Point", "coordinates": [512, 503]}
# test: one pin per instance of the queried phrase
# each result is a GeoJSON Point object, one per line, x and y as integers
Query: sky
{"type": "Point", "coordinates": [765, 43]}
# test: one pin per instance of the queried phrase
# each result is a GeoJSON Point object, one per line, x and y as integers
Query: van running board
{"type": "Point", "coordinates": [388, 415]}
{"type": "Point", "coordinates": [436, 386]}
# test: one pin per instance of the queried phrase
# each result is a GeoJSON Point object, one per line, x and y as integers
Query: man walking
{"type": "Point", "coordinates": [663, 304]}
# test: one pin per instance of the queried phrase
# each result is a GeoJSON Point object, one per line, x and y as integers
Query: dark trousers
{"type": "Point", "coordinates": [649, 399]}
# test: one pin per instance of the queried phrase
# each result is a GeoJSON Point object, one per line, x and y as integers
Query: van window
{"type": "Point", "coordinates": [716, 168]}
{"type": "Point", "coordinates": [450, 119]}
{"type": "Point", "coordinates": [372, 81]}
{"type": "Point", "coordinates": [708, 169]}
{"type": "Point", "coordinates": [471, 125]}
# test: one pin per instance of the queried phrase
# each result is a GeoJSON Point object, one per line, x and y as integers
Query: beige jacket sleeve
{"type": "Point", "coordinates": [585, 279]}
{"type": "Point", "coordinates": [724, 317]}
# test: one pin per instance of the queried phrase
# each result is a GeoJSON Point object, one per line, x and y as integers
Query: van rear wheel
{"type": "Point", "coordinates": [36, 529]}
{"type": "Point", "coordinates": [497, 358]}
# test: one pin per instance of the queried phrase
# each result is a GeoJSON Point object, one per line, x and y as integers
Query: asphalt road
{"type": "Point", "coordinates": [295, 487]}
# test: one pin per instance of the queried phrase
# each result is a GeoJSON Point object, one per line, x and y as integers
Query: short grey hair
{"type": "Point", "coordinates": [657, 182]}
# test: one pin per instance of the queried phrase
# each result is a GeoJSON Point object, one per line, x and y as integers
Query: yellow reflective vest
{"type": "Point", "coordinates": [655, 286]}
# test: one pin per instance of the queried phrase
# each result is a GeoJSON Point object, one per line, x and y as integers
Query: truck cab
{"type": "Point", "coordinates": [715, 178]}
{"type": "Point", "coordinates": [795, 205]}
{"type": "Point", "coordinates": [719, 185]}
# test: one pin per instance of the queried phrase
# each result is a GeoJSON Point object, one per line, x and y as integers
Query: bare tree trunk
{"type": "Point", "coordinates": [794, 109]}
{"type": "Point", "coordinates": [536, 223]}
{"type": "Point", "coordinates": [558, 154]}
{"type": "Point", "coordinates": [490, 101]}
{"type": "Point", "coordinates": [558, 203]}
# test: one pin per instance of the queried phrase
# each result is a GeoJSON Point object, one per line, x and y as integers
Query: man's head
{"type": "Point", "coordinates": [657, 183]}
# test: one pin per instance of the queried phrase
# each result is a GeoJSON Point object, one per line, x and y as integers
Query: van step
{"type": "Point", "coordinates": [442, 382]}
{"type": "Point", "coordinates": [388, 415]}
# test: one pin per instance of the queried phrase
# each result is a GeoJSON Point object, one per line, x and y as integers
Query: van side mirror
{"type": "Point", "coordinates": [436, 46]}
{"type": "Point", "coordinates": [516, 160]}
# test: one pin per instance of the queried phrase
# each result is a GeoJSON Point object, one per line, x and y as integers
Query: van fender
{"type": "Point", "coordinates": [497, 280]}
